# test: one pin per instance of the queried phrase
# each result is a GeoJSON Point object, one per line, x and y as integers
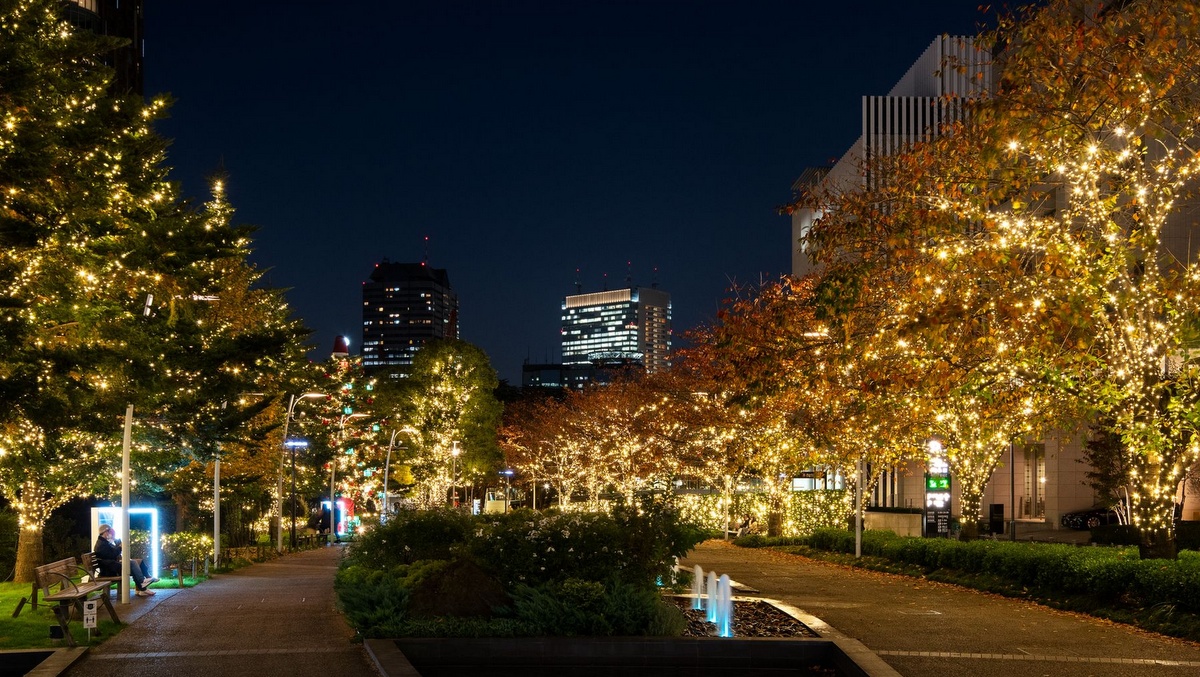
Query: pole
{"type": "Point", "coordinates": [125, 443]}
{"type": "Point", "coordinates": [279, 487]}
{"type": "Point", "coordinates": [332, 500]}
{"type": "Point", "coordinates": [858, 509]}
{"type": "Point", "coordinates": [217, 507]}
{"type": "Point", "coordinates": [293, 501]}
{"type": "Point", "coordinates": [387, 466]}
{"type": "Point", "coordinates": [1012, 488]}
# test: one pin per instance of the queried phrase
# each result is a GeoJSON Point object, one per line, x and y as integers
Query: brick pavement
{"type": "Point", "coordinates": [924, 628]}
{"type": "Point", "coordinates": [274, 618]}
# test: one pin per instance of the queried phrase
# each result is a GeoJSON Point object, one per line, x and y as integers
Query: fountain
{"type": "Point", "coordinates": [724, 605]}
{"type": "Point", "coordinates": [711, 606]}
{"type": "Point", "coordinates": [698, 588]}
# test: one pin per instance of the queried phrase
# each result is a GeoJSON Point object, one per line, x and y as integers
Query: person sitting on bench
{"type": "Point", "coordinates": [108, 559]}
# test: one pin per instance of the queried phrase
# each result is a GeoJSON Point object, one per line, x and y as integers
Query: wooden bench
{"type": "Point", "coordinates": [91, 565]}
{"type": "Point", "coordinates": [57, 584]}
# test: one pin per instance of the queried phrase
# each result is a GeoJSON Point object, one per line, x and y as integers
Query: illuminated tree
{"type": "Point", "coordinates": [105, 275]}
{"type": "Point", "coordinates": [1103, 107]}
{"type": "Point", "coordinates": [539, 440]}
{"type": "Point", "coordinates": [344, 429]}
{"type": "Point", "coordinates": [449, 396]}
{"type": "Point", "coordinates": [1040, 223]}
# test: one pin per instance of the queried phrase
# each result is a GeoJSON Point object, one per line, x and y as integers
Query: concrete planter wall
{"type": "Point", "coordinates": [904, 524]}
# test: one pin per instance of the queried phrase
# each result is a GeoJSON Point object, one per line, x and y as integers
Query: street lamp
{"type": "Point", "coordinates": [294, 445]}
{"type": "Point", "coordinates": [292, 402]}
{"type": "Point", "coordinates": [333, 474]}
{"type": "Point", "coordinates": [508, 473]}
{"type": "Point", "coordinates": [454, 452]}
{"type": "Point", "coordinates": [387, 466]}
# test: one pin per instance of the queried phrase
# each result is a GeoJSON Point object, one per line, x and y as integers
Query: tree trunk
{"type": "Point", "coordinates": [971, 500]}
{"type": "Point", "coordinates": [1158, 544]}
{"type": "Point", "coordinates": [775, 523]}
{"type": "Point", "coordinates": [29, 550]}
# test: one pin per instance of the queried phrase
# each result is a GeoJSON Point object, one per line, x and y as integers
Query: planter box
{"type": "Point", "coordinates": [608, 656]}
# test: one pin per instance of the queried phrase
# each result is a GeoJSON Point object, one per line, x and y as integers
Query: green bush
{"type": "Point", "coordinates": [186, 546]}
{"type": "Point", "coordinates": [635, 546]}
{"type": "Point", "coordinates": [1113, 576]}
{"type": "Point", "coordinates": [375, 601]}
{"type": "Point", "coordinates": [577, 607]}
{"type": "Point", "coordinates": [411, 536]}
{"type": "Point", "coordinates": [532, 573]}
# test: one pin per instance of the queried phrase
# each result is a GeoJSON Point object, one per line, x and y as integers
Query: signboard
{"type": "Point", "coordinates": [89, 613]}
{"type": "Point", "coordinates": [937, 498]}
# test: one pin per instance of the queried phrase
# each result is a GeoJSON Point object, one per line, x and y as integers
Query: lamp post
{"type": "Point", "coordinates": [387, 466]}
{"type": "Point", "coordinates": [454, 452]}
{"type": "Point", "coordinates": [292, 402]}
{"type": "Point", "coordinates": [333, 475]}
{"type": "Point", "coordinates": [508, 473]}
{"type": "Point", "coordinates": [294, 445]}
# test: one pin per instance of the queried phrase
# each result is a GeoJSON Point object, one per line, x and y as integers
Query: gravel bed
{"type": "Point", "coordinates": [750, 619]}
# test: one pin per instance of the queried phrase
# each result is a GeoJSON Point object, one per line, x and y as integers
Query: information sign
{"type": "Point", "coordinates": [937, 497]}
{"type": "Point", "coordinates": [89, 613]}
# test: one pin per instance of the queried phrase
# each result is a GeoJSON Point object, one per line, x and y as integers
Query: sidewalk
{"type": "Point", "coordinates": [274, 618]}
{"type": "Point", "coordinates": [924, 628]}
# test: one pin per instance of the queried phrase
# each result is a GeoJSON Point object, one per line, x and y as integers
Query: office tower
{"type": "Point", "coordinates": [120, 19]}
{"type": "Point", "coordinates": [630, 325]}
{"type": "Point", "coordinates": [405, 305]}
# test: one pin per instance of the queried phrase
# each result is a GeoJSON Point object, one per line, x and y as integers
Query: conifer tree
{"type": "Point", "coordinates": [109, 283]}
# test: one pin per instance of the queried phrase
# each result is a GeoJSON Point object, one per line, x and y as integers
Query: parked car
{"type": "Point", "coordinates": [1090, 518]}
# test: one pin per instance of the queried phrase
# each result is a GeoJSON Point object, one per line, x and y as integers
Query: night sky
{"type": "Point", "coordinates": [524, 139]}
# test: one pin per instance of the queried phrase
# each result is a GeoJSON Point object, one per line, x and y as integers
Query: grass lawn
{"type": "Point", "coordinates": [31, 629]}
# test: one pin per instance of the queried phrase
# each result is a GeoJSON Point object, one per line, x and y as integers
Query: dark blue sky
{"type": "Point", "coordinates": [525, 139]}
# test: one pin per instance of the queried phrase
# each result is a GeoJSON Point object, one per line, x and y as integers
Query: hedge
{"type": "Point", "coordinates": [1115, 576]}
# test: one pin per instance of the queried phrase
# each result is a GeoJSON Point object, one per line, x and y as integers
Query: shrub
{"type": "Point", "coordinates": [411, 536]}
{"type": "Point", "coordinates": [529, 548]}
{"type": "Point", "coordinates": [1113, 576]}
{"type": "Point", "coordinates": [373, 600]}
{"type": "Point", "coordinates": [578, 607]}
{"type": "Point", "coordinates": [185, 546]}
{"type": "Point", "coordinates": [568, 573]}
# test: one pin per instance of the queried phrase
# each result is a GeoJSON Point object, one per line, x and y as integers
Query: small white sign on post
{"type": "Point", "coordinates": [89, 613]}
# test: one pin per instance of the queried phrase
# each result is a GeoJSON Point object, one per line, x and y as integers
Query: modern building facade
{"type": "Point", "coordinates": [1038, 480]}
{"type": "Point", "coordinates": [405, 305]}
{"type": "Point", "coordinates": [120, 19]}
{"type": "Point", "coordinates": [630, 325]}
{"type": "Point", "coordinates": [951, 70]}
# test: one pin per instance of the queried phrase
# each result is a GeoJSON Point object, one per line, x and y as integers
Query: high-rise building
{"type": "Point", "coordinates": [631, 325]}
{"type": "Point", "coordinates": [405, 305]}
{"type": "Point", "coordinates": [120, 19]}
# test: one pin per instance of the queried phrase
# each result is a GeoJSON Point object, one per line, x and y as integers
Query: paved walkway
{"type": "Point", "coordinates": [275, 618]}
{"type": "Point", "coordinates": [924, 628]}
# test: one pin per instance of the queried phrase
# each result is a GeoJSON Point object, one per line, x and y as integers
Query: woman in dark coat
{"type": "Point", "coordinates": [108, 559]}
